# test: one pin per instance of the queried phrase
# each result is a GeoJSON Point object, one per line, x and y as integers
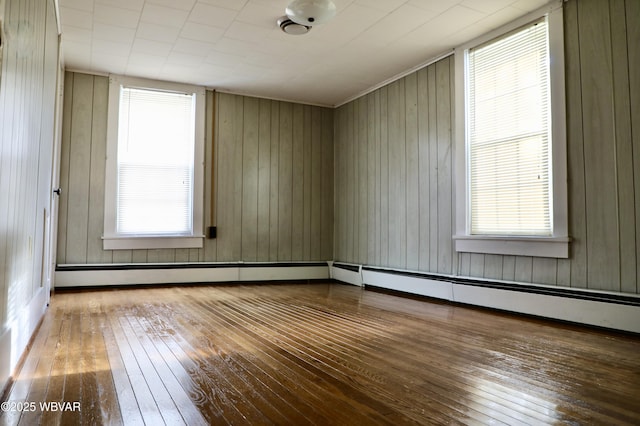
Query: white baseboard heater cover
{"type": "Point", "coordinates": [346, 273]}
{"type": "Point", "coordinates": [609, 310]}
{"type": "Point", "coordinates": [187, 273]}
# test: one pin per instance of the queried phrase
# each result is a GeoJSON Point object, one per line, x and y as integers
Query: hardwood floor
{"type": "Point", "coordinates": [320, 353]}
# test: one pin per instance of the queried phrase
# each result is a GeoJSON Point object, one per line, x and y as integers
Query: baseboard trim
{"type": "Point", "coordinates": [597, 313]}
{"type": "Point", "coordinates": [597, 308]}
{"type": "Point", "coordinates": [601, 309]}
{"type": "Point", "coordinates": [410, 283]}
{"type": "Point", "coordinates": [347, 273]}
{"type": "Point", "coordinates": [185, 273]}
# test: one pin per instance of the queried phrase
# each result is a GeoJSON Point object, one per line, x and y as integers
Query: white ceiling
{"type": "Point", "coordinates": [236, 45]}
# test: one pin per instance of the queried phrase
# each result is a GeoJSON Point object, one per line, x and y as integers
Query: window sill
{"type": "Point", "coordinates": [555, 247]}
{"type": "Point", "coordinates": [160, 242]}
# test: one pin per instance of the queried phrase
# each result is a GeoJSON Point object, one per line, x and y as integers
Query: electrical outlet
{"type": "Point", "coordinates": [212, 232]}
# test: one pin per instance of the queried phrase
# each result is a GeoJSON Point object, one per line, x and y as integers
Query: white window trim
{"type": "Point", "coordinates": [111, 239]}
{"type": "Point", "coordinates": [557, 245]}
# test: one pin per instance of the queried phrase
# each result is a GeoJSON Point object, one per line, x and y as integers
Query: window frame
{"type": "Point", "coordinates": [112, 240]}
{"type": "Point", "coordinates": [556, 245]}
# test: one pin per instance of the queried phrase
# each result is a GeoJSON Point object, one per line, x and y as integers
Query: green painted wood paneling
{"type": "Point", "coordinates": [273, 180]}
{"type": "Point", "coordinates": [414, 120]}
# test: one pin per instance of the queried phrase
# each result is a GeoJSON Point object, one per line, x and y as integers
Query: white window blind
{"type": "Point", "coordinates": [155, 162]}
{"type": "Point", "coordinates": [508, 119]}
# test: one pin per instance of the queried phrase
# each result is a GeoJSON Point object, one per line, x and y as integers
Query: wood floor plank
{"type": "Point", "coordinates": [306, 366]}
{"type": "Point", "coordinates": [148, 408]}
{"type": "Point", "coordinates": [359, 366]}
{"type": "Point", "coordinates": [358, 363]}
{"type": "Point", "coordinates": [317, 354]}
{"type": "Point", "coordinates": [123, 387]}
{"type": "Point", "coordinates": [149, 371]}
{"type": "Point", "coordinates": [547, 382]}
{"type": "Point", "coordinates": [35, 377]}
{"type": "Point", "coordinates": [216, 402]}
{"type": "Point", "coordinates": [230, 364]}
{"type": "Point", "coordinates": [192, 413]}
{"type": "Point", "coordinates": [340, 369]}
{"type": "Point", "coordinates": [42, 373]}
{"type": "Point", "coordinates": [212, 362]}
{"type": "Point", "coordinates": [109, 406]}
{"type": "Point", "coordinates": [270, 374]}
{"type": "Point", "coordinates": [283, 371]}
{"type": "Point", "coordinates": [167, 375]}
{"type": "Point", "coordinates": [57, 378]}
{"type": "Point", "coordinates": [186, 370]}
{"type": "Point", "coordinates": [295, 371]}
{"type": "Point", "coordinates": [89, 398]}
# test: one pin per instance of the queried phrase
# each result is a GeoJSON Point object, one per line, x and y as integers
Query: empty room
{"type": "Point", "coordinates": [344, 212]}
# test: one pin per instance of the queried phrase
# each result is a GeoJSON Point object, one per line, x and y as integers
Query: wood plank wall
{"type": "Point", "coordinates": [394, 203]}
{"type": "Point", "coordinates": [273, 180]}
{"type": "Point", "coordinates": [27, 104]}
{"type": "Point", "coordinates": [394, 171]}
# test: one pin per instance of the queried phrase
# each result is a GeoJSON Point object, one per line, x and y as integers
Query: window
{"type": "Point", "coordinates": [155, 144]}
{"type": "Point", "coordinates": [510, 142]}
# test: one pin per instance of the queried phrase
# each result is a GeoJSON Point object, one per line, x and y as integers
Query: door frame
{"type": "Point", "coordinates": [51, 224]}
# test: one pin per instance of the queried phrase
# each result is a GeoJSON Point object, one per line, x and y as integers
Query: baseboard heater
{"type": "Point", "coordinates": [597, 308]}
{"type": "Point", "coordinates": [346, 273]}
{"type": "Point", "coordinates": [186, 273]}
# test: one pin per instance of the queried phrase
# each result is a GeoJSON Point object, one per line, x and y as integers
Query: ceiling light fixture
{"type": "Point", "coordinates": [311, 12]}
{"type": "Point", "coordinates": [292, 28]}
